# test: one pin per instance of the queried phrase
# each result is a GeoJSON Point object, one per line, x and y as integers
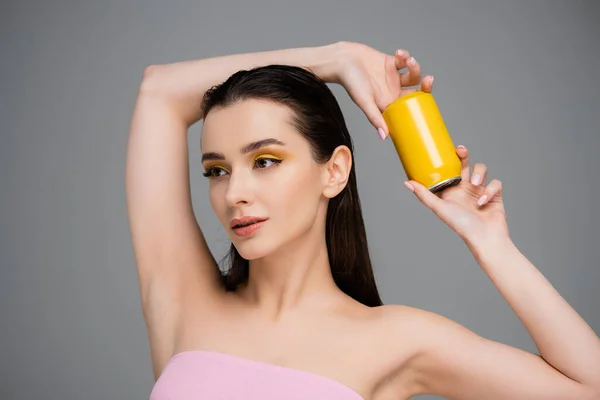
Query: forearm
{"type": "Point", "coordinates": [184, 84]}
{"type": "Point", "coordinates": [563, 338]}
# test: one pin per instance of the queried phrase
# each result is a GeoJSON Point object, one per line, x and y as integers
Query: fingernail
{"type": "Point", "coordinates": [412, 62]}
{"type": "Point", "coordinates": [381, 133]}
{"type": "Point", "coordinates": [409, 186]}
{"type": "Point", "coordinates": [475, 179]}
{"type": "Point", "coordinates": [482, 200]}
{"type": "Point", "coordinates": [460, 146]}
{"type": "Point", "coordinates": [399, 53]}
{"type": "Point", "coordinates": [432, 78]}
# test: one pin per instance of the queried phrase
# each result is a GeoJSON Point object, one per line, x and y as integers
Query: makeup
{"type": "Point", "coordinates": [262, 157]}
{"type": "Point", "coordinates": [422, 141]}
{"type": "Point", "coordinates": [248, 230]}
{"type": "Point", "coordinates": [267, 157]}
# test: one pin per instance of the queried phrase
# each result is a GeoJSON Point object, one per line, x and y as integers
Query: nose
{"type": "Point", "coordinates": [239, 190]}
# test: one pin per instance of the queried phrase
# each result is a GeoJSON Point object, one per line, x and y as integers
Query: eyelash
{"type": "Point", "coordinates": [208, 172]}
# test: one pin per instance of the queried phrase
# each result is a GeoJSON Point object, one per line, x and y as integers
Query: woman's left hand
{"type": "Point", "coordinates": [474, 209]}
{"type": "Point", "coordinates": [373, 81]}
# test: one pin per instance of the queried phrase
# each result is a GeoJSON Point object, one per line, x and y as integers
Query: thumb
{"type": "Point", "coordinates": [429, 199]}
{"type": "Point", "coordinates": [375, 117]}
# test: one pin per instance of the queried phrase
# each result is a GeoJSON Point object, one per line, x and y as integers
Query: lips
{"type": "Point", "coordinates": [245, 221]}
{"type": "Point", "coordinates": [246, 226]}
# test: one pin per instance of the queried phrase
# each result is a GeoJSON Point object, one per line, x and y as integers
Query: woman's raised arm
{"type": "Point", "coordinates": [174, 264]}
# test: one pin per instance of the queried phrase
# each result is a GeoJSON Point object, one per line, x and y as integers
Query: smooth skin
{"type": "Point", "coordinates": [291, 313]}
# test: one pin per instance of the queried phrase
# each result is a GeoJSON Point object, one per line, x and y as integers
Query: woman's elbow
{"type": "Point", "coordinates": [150, 81]}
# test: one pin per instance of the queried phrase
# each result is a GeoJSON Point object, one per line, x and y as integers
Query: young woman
{"type": "Point", "coordinates": [297, 314]}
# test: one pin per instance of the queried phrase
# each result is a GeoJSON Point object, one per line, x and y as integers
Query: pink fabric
{"type": "Point", "coordinates": [200, 374]}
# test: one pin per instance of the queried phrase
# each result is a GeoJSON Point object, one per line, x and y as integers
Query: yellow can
{"type": "Point", "coordinates": [422, 141]}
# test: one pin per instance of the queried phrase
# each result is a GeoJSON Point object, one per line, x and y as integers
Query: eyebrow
{"type": "Point", "coordinates": [244, 150]}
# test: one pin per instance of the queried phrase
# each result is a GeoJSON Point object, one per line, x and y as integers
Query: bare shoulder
{"type": "Point", "coordinates": [401, 337]}
{"type": "Point", "coordinates": [418, 329]}
{"type": "Point", "coordinates": [425, 330]}
{"type": "Point", "coordinates": [408, 317]}
{"type": "Point", "coordinates": [436, 355]}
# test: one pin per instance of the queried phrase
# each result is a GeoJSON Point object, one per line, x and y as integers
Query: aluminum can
{"type": "Point", "coordinates": [422, 141]}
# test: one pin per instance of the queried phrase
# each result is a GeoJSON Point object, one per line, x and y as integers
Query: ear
{"type": "Point", "coordinates": [336, 171]}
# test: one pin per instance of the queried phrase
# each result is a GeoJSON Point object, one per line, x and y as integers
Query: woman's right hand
{"type": "Point", "coordinates": [373, 81]}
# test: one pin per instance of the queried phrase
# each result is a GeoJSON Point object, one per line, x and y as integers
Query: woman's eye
{"type": "Point", "coordinates": [213, 172]}
{"type": "Point", "coordinates": [265, 162]}
{"type": "Point", "coordinates": [259, 163]}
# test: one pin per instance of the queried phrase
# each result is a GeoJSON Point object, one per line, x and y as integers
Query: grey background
{"type": "Point", "coordinates": [517, 82]}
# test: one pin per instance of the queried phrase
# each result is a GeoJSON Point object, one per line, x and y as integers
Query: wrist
{"type": "Point", "coordinates": [326, 61]}
{"type": "Point", "coordinates": [487, 249]}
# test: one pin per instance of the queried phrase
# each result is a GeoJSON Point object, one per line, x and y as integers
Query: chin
{"type": "Point", "coordinates": [254, 248]}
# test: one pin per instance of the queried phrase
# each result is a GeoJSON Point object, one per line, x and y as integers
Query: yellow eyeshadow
{"type": "Point", "coordinates": [267, 156]}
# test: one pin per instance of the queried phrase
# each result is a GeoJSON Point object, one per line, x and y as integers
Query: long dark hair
{"type": "Point", "coordinates": [318, 117]}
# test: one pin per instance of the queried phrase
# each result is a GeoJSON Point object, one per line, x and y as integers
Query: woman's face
{"type": "Point", "coordinates": [260, 166]}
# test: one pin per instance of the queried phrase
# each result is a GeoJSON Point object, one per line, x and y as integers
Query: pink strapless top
{"type": "Point", "coordinates": [200, 374]}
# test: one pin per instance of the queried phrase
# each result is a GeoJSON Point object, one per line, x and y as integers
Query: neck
{"type": "Point", "coordinates": [295, 276]}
